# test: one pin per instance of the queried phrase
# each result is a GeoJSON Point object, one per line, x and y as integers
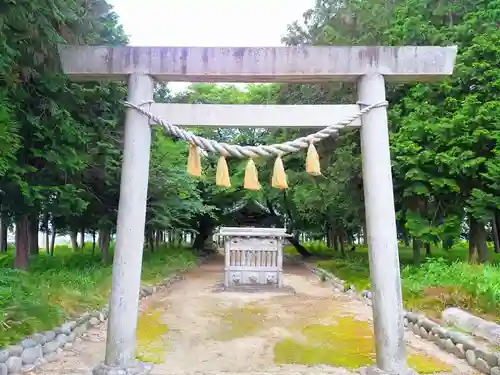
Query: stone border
{"type": "Point", "coordinates": [456, 343]}
{"type": "Point", "coordinates": [43, 347]}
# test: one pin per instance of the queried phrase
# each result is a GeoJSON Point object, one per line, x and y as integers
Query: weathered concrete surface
{"type": "Point", "coordinates": [381, 229]}
{"type": "Point", "coordinates": [259, 64]}
{"type": "Point", "coordinates": [260, 116]}
{"type": "Point", "coordinates": [126, 279]}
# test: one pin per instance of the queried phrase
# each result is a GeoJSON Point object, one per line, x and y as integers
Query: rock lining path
{"type": "Point", "coordinates": [212, 332]}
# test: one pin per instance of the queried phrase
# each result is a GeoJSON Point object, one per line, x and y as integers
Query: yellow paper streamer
{"type": "Point", "coordinates": [194, 161]}
{"type": "Point", "coordinates": [251, 176]}
{"type": "Point", "coordinates": [279, 179]}
{"type": "Point", "coordinates": [222, 174]}
{"type": "Point", "coordinates": [312, 161]}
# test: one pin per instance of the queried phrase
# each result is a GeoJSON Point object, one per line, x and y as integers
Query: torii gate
{"type": "Point", "coordinates": [370, 67]}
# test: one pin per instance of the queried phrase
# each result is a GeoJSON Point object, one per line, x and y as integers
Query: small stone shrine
{"type": "Point", "coordinates": [253, 256]}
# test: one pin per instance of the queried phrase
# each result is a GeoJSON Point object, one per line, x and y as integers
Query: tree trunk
{"type": "Point", "coordinates": [93, 242]}
{"type": "Point", "coordinates": [407, 241]}
{"type": "Point", "coordinates": [46, 222]}
{"type": "Point", "coordinates": [104, 236]}
{"type": "Point", "coordinates": [53, 240]}
{"type": "Point", "coordinates": [5, 229]}
{"type": "Point", "coordinates": [47, 241]}
{"type": "Point", "coordinates": [300, 249]}
{"type": "Point", "coordinates": [418, 204]}
{"type": "Point", "coordinates": [171, 238]}
{"type": "Point", "coordinates": [175, 238]}
{"type": "Point", "coordinates": [494, 233]}
{"type": "Point", "coordinates": [205, 229]}
{"type": "Point", "coordinates": [448, 243]}
{"type": "Point", "coordinates": [82, 238]}
{"type": "Point", "coordinates": [21, 259]}
{"type": "Point", "coordinates": [478, 250]}
{"type": "Point", "coordinates": [74, 239]}
{"type": "Point", "coordinates": [428, 249]}
{"type": "Point", "coordinates": [149, 239]}
{"type": "Point", "coordinates": [341, 243]}
{"type": "Point", "coordinates": [406, 238]}
{"type": "Point", "coordinates": [329, 236]}
{"type": "Point", "coordinates": [350, 237]}
{"type": "Point", "coordinates": [365, 235]}
{"type": "Point", "coordinates": [335, 241]}
{"type": "Point", "coordinates": [3, 235]}
{"type": "Point", "coordinates": [151, 242]}
{"type": "Point", "coordinates": [99, 240]}
{"type": "Point", "coordinates": [33, 235]}
{"type": "Point", "coordinates": [496, 217]}
{"type": "Point", "coordinates": [417, 244]}
{"type": "Point", "coordinates": [157, 239]}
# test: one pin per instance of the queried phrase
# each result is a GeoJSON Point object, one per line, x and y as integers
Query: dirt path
{"type": "Point", "coordinates": [191, 328]}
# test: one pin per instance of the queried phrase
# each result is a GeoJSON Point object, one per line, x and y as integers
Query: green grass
{"type": "Point", "coordinates": [65, 285]}
{"type": "Point", "coordinates": [443, 280]}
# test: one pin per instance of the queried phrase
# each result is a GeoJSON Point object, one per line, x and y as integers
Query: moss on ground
{"type": "Point", "coordinates": [349, 344]}
{"type": "Point", "coordinates": [241, 321]}
{"type": "Point", "coordinates": [151, 331]}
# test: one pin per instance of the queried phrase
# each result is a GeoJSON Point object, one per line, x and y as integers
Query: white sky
{"type": "Point", "coordinates": [208, 23]}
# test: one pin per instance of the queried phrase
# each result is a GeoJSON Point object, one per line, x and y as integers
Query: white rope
{"type": "Point", "coordinates": [254, 151]}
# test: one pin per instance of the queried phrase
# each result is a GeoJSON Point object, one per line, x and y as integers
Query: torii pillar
{"type": "Point", "coordinates": [370, 67]}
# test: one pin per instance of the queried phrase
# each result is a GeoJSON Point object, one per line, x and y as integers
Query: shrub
{"type": "Point", "coordinates": [442, 280]}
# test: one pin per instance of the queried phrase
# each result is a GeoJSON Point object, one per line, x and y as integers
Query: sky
{"type": "Point", "coordinates": [208, 23]}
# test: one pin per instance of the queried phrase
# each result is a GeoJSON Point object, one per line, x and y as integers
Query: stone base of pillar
{"type": "Point", "coordinates": [374, 370]}
{"type": "Point", "coordinates": [137, 368]}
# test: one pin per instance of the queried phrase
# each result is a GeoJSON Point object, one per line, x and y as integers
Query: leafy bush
{"type": "Point", "coordinates": [318, 247]}
{"type": "Point", "coordinates": [438, 284]}
{"type": "Point", "coordinates": [444, 279]}
{"type": "Point", "coordinates": [65, 285]}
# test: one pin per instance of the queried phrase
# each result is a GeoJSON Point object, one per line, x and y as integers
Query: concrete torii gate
{"type": "Point", "coordinates": [370, 67]}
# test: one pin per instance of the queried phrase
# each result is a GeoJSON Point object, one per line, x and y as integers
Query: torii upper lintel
{"type": "Point", "coordinates": [299, 64]}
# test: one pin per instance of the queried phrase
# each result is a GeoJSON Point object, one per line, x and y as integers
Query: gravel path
{"type": "Point", "coordinates": [191, 328]}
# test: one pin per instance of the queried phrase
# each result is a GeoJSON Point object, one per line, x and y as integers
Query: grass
{"type": "Point", "coordinates": [65, 285]}
{"type": "Point", "coordinates": [443, 280]}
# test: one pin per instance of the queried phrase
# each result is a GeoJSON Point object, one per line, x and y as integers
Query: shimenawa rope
{"type": "Point", "coordinates": [242, 152]}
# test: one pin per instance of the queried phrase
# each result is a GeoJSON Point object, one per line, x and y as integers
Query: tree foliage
{"type": "Point", "coordinates": [444, 135]}
{"type": "Point", "coordinates": [61, 141]}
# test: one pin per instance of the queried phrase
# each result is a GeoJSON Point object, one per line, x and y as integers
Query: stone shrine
{"type": "Point", "coordinates": [253, 256]}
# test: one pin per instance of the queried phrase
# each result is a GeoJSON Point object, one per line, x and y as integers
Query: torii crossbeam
{"type": "Point", "coordinates": [370, 67]}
